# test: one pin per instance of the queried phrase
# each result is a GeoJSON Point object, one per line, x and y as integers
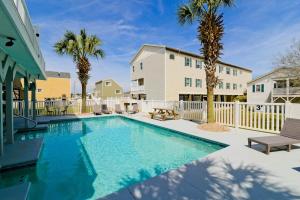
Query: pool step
{"type": "Point", "coordinates": [39, 127]}
{"type": "Point", "coordinates": [15, 192]}
{"type": "Point", "coordinates": [20, 154]}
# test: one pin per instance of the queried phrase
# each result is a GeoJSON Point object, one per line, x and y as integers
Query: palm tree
{"type": "Point", "coordinates": [210, 32]}
{"type": "Point", "coordinates": [80, 47]}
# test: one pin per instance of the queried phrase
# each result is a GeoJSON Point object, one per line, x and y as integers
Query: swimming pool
{"type": "Point", "coordinates": [93, 157]}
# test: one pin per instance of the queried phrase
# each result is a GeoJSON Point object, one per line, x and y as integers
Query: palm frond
{"type": "Point", "coordinates": [185, 14]}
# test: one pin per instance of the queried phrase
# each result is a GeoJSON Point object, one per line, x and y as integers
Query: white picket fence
{"type": "Point", "coordinates": [267, 117]}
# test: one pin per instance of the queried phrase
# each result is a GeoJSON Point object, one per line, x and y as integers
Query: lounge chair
{"type": "Point", "coordinates": [289, 135]}
{"type": "Point", "coordinates": [97, 110]}
{"type": "Point", "coordinates": [118, 109]}
{"type": "Point", "coordinates": [104, 109]}
{"type": "Point", "coordinates": [135, 109]}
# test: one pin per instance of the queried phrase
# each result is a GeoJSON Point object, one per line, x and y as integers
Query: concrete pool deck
{"type": "Point", "coordinates": [235, 172]}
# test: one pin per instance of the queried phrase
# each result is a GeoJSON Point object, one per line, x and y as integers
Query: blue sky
{"type": "Point", "coordinates": [256, 32]}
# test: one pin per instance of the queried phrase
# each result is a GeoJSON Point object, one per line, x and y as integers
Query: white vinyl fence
{"type": "Point", "coordinates": [267, 117]}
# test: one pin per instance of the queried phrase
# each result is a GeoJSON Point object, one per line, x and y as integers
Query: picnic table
{"type": "Point", "coordinates": [163, 113]}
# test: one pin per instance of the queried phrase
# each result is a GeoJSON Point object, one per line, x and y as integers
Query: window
{"type": "Point", "coordinates": [257, 88]}
{"type": "Point", "coordinates": [199, 83]}
{"type": "Point", "coordinates": [188, 61]}
{"type": "Point", "coordinates": [221, 85]}
{"type": "Point", "coordinates": [203, 65]}
{"type": "Point", "coordinates": [227, 70]}
{"type": "Point", "coordinates": [234, 71]}
{"type": "Point", "coordinates": [228, 86]}
{"type": "Point", "coordinates": [187, 82]}
{"type": "Point", "coordinates": [118, 91]}
{"type": "Point", "coordinates": [132, 68]}
{"type": "Point", "coordinates": [172, 56]}
{"type": "Point", "coordinates": [141, 66]}
{"type": "Point", "coordinates": [198, 64]}
{"type": "Point", "coordinates": [241, 85]}
{"type": "Point", "coordinates": [220, 69]}
{"type": "Point", "coordinates": [241, 72]}
{"type": "Point", "coordinates": [234, 86]}
{"type": "Point", "coordinates": [107, 83]}
{"type": "Point", "coordinates": [39, 90]}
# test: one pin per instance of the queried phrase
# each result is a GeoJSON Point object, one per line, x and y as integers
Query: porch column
{"type": "Point", "coordinates": [26, 105]}
{"type": "Point", "coordinates": [9, 107]}
{"type": "Point", "coordinates": [33, 99]}
{"type": "Point", "coordinates": [1, 119]}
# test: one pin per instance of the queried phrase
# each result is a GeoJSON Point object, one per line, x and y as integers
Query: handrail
{"type": "Point", "coordinates": [28, 119]}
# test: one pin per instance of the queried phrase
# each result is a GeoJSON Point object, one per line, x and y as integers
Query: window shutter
{"type": "Point", "coordinates": [253, 88]}
{"type": "Point", "coordinates": [262, 88]}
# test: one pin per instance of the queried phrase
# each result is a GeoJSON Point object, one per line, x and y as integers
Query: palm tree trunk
{"type": "Point", "coordinates": [83, 97]}
{"type": "Point", "coordinates": [210, 105]}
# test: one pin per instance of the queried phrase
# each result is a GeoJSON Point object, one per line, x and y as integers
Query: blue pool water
{"type": "Point", "coordinates": [91, 158]}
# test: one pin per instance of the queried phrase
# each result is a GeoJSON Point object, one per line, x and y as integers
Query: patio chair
{"type": "Point", "coordinates": [135, 109]}
{"type": "Point", "coordinates": [118, 109]}
{"type": "Point", "coordinates": [50, 110]}
{"type": "Point", "coordinates": [289, 135]}
{"type": "Point", "coordinates": [104, 109]}
{"type": "Point", "coordinates": [65, 109]}
{"type": "Point", "coordinates": [97, 110]}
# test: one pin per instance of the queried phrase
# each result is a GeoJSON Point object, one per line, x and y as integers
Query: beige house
{"type": "Point", "coordinates": [108, 88]}
{"type": "Point", "coordinates": [165, 73]}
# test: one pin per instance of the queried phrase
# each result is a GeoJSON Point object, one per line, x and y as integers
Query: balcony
{"type": "Point", "coordinates": [139, 89]}
{"type": "Point", "coordinates": [286, 91]}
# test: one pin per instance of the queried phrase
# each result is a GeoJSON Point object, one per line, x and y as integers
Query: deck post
{"type": "Point", "coordinates": [26, 105]}
{"type": "Point", "coordinates": [9, 107]}
{"type": "Point", "coordinates": [287, 88]}
{"type": "Point", "coordinates": [1, 119]}
{"type": "Point", "coordinates": [33, 99]}
{"type": "Point", "coordinates": [236, 114]}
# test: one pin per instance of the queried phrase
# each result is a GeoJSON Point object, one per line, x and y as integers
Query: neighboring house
{"type": "Point", "coordinates": [164, 73]}
{"type": "Point", "coordinates": [108, 88]}
{"type": "Point", "coordinates": [57, 86]}
{"type": "Point", "coordinates": [280, 85]}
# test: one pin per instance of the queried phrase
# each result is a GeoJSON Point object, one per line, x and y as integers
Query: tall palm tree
{"type": "Point", "coordinates": [210, 33]}
{"type": "Point", "coordinates": [80, 47]}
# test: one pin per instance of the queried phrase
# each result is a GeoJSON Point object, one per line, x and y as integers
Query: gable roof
{"type": "Point", "coordinates": [270, 73]}
{"type": "Point", "coordinates": [185, 53]}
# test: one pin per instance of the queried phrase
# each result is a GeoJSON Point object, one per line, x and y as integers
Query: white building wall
{"type": "Point", "coordinates": [165, 78]}
{"type": "Point", "coordinates": [153, 72]}
{"type": "Point", "coordinates": [260, 97]}
{"type": "Point", "coordinates": [176, 71]}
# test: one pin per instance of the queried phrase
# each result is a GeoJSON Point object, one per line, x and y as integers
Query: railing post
{"type": "Point", "coordinates": [237, 114]}
{"type": "Point", "coordinates": [181, 108]}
